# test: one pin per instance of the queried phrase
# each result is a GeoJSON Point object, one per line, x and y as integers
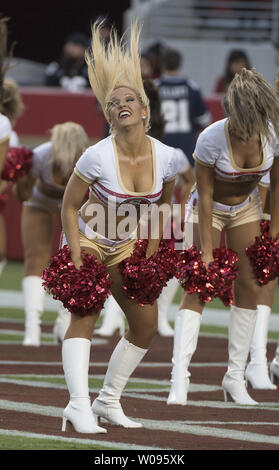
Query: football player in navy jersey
{"type": "Point", "coordinates": [183, 106]}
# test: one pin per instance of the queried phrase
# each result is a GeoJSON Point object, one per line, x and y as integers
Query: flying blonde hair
{"type": "Point", "coordinates": [252, 105]}
{"type": "Point", "coordinates": [114, 65]}
{"type": "Point", "coordinates": [69, 140]}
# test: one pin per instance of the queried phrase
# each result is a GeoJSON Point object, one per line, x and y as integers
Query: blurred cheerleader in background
{"type": "Point", "coordinates": [5, 125]}
{"type": "Point", "coordinates": [41, 192]}
{"type": "Point", "coordinates": [256, 372]}
{"type": "Point", "coordinates": [12, 108]}
{"type": "Point", "coordinates": [231, 156]}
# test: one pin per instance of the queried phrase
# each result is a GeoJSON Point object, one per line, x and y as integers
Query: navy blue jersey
{"type": "Point", "coordinates": [185, 112]}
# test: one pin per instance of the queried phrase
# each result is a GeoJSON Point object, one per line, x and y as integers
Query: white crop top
{"type": "Point", "coordinates": [5, 128]}
{"type": "Point", "coordinates": [99, 167]}
{"type": "Point", "coordinates": [213, 149]}
{"type": "Point", "coordinates": [41, 166]}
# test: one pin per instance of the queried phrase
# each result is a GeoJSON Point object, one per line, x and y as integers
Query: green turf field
{"type": "Point", "coordinates": [15, 440]}
{"type": "Point", "coordinates": [11, 280]}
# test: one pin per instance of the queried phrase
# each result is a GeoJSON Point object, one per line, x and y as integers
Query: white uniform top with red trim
{"type": "Point", "coordinates": [42, 166]}
{"type": "Point", "coordinates": [5, 128]}
{"type": "Point", "coordinates": [213, 149]}
{"type": "Point", "coordinates": [99, 167]}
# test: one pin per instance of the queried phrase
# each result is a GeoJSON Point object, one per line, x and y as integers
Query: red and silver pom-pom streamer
{"type": "Point", "coordinates": [81, 291]}
{"type": "Point", "coordinates": [144, 279]}
{"type": "Point", "coordinates": [211, 282]}
{"type": "Point", "coordinates": [222, 272]}
{"type": "Point", "coordinates": [264, 255]}
{"type": "Point", "coordinates": [191, 270]}
{"type": "Point", "coordinates": [17, 164]}
{"type": "Point", "coordinates": [166, 257]}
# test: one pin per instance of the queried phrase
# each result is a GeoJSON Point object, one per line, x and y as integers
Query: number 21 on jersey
{"type": "Point", "coordinates": [176, 113]}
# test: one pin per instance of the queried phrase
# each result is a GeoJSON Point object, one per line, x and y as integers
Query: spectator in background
{"type": "Point", "coordinates": [236, 61]}
{"type": "Point", "coordinates": [147, 66]}
{"type": "Point", "coordinates": [183, 107]}
{"type": "Point", "coordinates": [154, 53]}
{"type": "Point", "coordinates": [70, 71]}
{"type": "Point", "coordinates": [276, 46]}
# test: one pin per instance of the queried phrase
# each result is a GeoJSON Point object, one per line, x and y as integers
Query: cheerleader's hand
{"type": "Point", "coordinates": [77, 262]}
{"type": "Point", "coordinates": [152, 246]}
{"type": "Point", "coordinates": [207, 258]}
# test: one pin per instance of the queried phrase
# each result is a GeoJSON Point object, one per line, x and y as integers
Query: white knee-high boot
{"type": "Point", "coordinates": [124, 360]}
{"type": "Point", "coordinates": [257, 370]}
{"type": "Point", "coordinates": [241, 329]}
{"type": "Point", "coordinates": [33, 294]}
{"type": "Point", "coordinates": [113, 319]}
{"type": "Point", "coordinates": [75, 358]}
{"type": "Point", "coordinates": [164, 302]}
{"type": "Point", "coordinates": [61, 324]}
{"type": "Point", "coordinates": [274, 366]}
{"type": "Point", "coordinates": [186, 332]}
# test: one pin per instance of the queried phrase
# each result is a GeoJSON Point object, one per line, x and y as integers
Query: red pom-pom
{"type": "Point", "coordinates": [221, 273]}
{"type": "Point", "coordinates": [215, 281]}
{"type": "Point", "coordinates": [3, 201]}
{"type": "Point", "coordinates": [17, 164]}
{"type": "Point", "coordinates": [191, 270]}
{"type": "Point", "coordinates": [166, 258]}
{"type": "Point", "coordinates": [144, 279]}
{"type": "Point", "coordinates": [80, 291]}
{"type": "Point", "coordinates": [264, 255]}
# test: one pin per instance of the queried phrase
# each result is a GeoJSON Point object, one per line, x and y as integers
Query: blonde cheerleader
{"type": "Point", "coordinates": [127, 167]}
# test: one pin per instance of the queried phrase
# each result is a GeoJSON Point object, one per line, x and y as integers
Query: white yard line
{"type": "Point", "coordinates": [181, 427]}
{"type": "Point", "coordinates": [165, 384]}
{"type": "Point", "coordinates": [208, 404]}
{"type": "Point", "coordinates": [146, 394]}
